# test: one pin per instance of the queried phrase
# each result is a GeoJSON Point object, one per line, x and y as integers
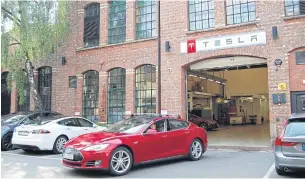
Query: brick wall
{"type": "Point", "coordinates": [174, 28]}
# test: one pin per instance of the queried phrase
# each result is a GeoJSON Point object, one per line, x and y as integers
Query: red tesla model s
{"type": "Point", "coordinates": [133, 141]}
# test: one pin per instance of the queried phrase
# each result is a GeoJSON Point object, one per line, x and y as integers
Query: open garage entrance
{"type": "Point", "coordinates": [233, 91]}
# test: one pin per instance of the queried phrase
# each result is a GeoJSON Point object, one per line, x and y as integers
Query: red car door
{"type": "Point", "coordinates": [153, 145]}
{"type": "Point", "coordinates": [177, 137]}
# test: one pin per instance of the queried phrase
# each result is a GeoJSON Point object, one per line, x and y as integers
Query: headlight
{"type": "Point", "coordinates": [96, 147]}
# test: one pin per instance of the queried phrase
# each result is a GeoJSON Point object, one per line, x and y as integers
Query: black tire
{"type": "Point", "coordinates": [6, 142]}
{"type": "Point", "coordinates": [280, 172]}
{"type": "Point", "coordinates": [56, 150]}
{"type": "Point", "coordinates": [28, 150]}
{"type": "Point", "coordinates": [204, 125]}
{"type": "Point", "coordinates": [112, 171]}
{"type": "Point", "coordinates": [190, 155]}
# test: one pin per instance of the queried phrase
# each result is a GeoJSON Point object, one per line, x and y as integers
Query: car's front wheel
{"type": "Point", "coordinates": [195, 150]}
{"type": "Point", "coordinates": [204, 125]}
{"type": "Point", "coordinates": [121, 161]}
{"type": "Point", "coordinates": [6, 142]}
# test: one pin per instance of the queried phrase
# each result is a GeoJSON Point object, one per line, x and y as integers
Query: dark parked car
{"type": "Point", "coordinates": [290, 146]}
{"type": "Point", "coordinates": [8, 125]}
{"type": "Point", "coordinates": [208, 124]}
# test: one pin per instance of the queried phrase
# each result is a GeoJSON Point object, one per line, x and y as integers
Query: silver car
{"type": "Point", "coordinates": [290, 146]}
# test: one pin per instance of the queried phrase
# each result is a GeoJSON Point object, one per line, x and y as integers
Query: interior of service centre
{"type": "Point", "coordinates": [234, 92]}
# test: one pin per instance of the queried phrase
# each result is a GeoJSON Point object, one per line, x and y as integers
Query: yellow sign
{"type": "Point", "coordinates": [282, 86]}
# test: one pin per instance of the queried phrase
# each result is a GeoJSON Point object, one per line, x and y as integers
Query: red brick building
{"type": "Point", "coordinates": [99, 70]}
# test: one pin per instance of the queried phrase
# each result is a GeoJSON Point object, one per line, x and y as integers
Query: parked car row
{"type": "Point", "coordinates": [50, 131]}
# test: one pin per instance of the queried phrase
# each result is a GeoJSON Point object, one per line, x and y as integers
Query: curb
{"type": "Point", "coordinates": [241, 148]}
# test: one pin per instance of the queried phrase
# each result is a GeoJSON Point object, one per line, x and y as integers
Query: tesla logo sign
{"type": "Point", "coordinates": [191, 46]}
{"type": "Point", "coordinates": [224, 42]}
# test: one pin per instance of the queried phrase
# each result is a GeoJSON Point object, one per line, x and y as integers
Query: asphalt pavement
{"type": "Point", "coordinates": [214, 164]}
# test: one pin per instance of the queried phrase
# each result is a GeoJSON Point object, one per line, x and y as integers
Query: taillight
{"type": "Point", "coordinates": [40, 131]}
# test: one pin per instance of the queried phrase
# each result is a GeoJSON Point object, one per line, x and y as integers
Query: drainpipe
{"type": "Point", "coordinates": [159, 59]}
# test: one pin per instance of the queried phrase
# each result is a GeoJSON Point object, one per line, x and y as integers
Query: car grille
{"type": "Point", "coordinates": [90, 163]}
{"type": "Point", "coordinates": [77, 155]}
{"type": "Point", "coordinates": [72, 164]}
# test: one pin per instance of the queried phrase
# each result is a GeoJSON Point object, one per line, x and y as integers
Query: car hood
{"type": "Point", "coordinates": [90, 139]}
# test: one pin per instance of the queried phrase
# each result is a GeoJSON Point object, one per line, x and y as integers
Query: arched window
{"type": "Point", "coordinates": [45, 86]}
{"type": "Point", "coordinates": [5, 95]}
{"type": "Point", "coordinates": [91, 95]}
{"type": "Point", "coordinates": [146, 89]}
{"type": "Point", "coordinates": [26, 105]}
{"type": "Point", "coordinates": [92, 25]}
{"type": "Point", "coordinates": [116, 95]}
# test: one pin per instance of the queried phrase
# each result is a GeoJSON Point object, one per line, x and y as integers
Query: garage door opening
{"type": "Point", "coordinates": [233, 91]}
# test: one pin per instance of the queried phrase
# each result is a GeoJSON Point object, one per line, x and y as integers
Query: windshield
{"type": "Point", "coordinates": [13, 119]}
{"type": "Point", "coordinates": [130, 125]}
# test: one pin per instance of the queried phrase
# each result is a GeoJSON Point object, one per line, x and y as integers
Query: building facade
{"type": "Point", "coordinates": [108, 65]}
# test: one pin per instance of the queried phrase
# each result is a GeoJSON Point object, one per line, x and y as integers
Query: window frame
{"type": "Point", "coordinates": [90, 19]}
{"type": "Point", "coordinates": [94, 91]}
{"type": "Point", "coordinates": [240, 12]}
{"type": "Point", "coordinates": [139, 89]}
{"type": "Point", "coordinates": [301, 61]}
{"type": "Point", "coordinates": [121, 75]}
{"type": "Point", "coordinates": [172, 119]}
{"type": "Point", "coordinates": [45, 80]}
{"type": "Point", "coordinates": [83, 119]}
{"type": "Point", "coordinates": [73, 119]}
{"type": "Point", "coordinates": [208, 10]}
{"type": "Point", "coordinates": [152, 21]}
{"type": "Point", "coordinates": [294, 7]}
{"type": "Point", "coordinates": [113, 30]}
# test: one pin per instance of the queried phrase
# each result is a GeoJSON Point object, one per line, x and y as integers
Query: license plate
{"type": "Point", "coordinates": [23, 133]}
{"type": "Point", "coordinates": [303, 147]}
{"type": "Point", "coordinates": [68, 156]}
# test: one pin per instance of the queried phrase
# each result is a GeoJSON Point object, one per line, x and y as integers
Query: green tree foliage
{"type": "Point", "coordinates": [37, 29]}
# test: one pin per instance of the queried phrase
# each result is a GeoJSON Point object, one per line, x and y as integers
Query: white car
{"type": "Point", "coordinates": [51, 134]}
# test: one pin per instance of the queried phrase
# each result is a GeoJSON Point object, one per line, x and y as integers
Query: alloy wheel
{"type": "Point", "coordinates": [196, 149]}
{"type": "Point", "coordinates": [7, 145]}
{"type": "Point", "coordinates": [60, 144]}
{"type": "Point", "coordinates": [120, 161]}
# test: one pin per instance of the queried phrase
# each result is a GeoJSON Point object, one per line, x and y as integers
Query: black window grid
{"type": "Point", "coordinates": [294, 7]}
{"type": "Point", "coordinates": [26, 105]}
{"type": "Point", "coordinates": [145, 19]}
{"type": "Point", "coordinates": [145, 90]}
{"type": "Point", "coordinates": [117, 22]}
{"type": "Point", "coordinates": [91, 95]}
{"type": "Point", "coordinates": [92, 25]}
{"type": "Point", "coordinates": [240, 11]}
{"type": "Point", "coordinates": [44, 82]}
{"type": "Point", "coordinates": [201, 14]}
{"type": "Point", "coordinates": [116, 95]}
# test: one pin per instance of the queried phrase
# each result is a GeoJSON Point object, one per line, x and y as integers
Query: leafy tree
{"type": "Point", "coordinates": [37, 29]}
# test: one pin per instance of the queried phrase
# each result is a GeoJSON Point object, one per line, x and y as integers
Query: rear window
{"type": "Point", "coordinates": [295, 129]}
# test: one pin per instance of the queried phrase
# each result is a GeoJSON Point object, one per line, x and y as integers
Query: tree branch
{"type": "Point", "coordinates": [11, 15]}
{"type": "Point", "coordinates": [16, 43]}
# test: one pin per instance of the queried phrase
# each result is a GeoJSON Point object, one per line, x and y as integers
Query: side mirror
{"type": "Point", "coordinates": [151, 131]}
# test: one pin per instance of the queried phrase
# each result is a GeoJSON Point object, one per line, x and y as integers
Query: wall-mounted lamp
{"type": "Point", "coordinates": [278, 63]}
{"type": "Point", "coordinates": [167, 46]}
{"type": "Point", "coordinates": [63, 60]}
{"type": "Point", "coordinates": [274, 32]}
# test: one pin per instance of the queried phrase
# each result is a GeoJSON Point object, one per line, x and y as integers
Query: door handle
{"type": "Point", "coordinates": [187, 132]}
{"type": "Point", "coordinates": [86, 129]}
{"type": "Point", "coordinates": [68, 128]}
{"type": "Point", "coordinates": [164, 136]}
